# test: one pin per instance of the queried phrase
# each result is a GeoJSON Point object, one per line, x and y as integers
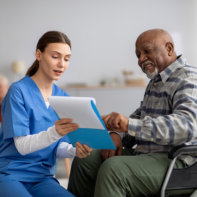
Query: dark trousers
{"type": "Point", "coordinates": [119, 176]}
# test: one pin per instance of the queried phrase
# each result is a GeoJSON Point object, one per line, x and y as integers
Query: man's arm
{"type": "Point", "coordinates": [176, 128]}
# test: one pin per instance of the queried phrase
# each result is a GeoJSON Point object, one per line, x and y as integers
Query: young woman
{"type": "Point", "coordinates": [31, 136]}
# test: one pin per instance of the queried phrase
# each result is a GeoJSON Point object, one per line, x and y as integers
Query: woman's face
{"type": "Point", "coordinates": [54, 60]}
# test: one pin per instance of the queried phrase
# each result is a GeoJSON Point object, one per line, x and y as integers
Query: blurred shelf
{"type": "Point", "coordinates": [129, 84]}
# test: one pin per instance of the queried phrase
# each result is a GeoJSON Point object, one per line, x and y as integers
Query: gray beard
{"type": "Point", "coordinates": [153, 74]}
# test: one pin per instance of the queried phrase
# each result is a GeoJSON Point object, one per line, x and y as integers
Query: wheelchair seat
{"type": "Point", "coordinates": [181, 178]}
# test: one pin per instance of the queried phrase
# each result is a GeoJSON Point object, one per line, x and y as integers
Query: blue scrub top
{"type": "Point", "coordinates": [24, 112]}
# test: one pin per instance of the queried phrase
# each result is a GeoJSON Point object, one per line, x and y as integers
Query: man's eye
{"type": "Point", "coordinates": [138, 55]}
{"type": "Point", "coordinates": [147, 51]}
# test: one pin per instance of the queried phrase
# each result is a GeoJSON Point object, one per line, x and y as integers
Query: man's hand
{"type": "Point", "coordinates": [118, 143]}
{"type": "Point", "coordinates": [65, 126]}
{"type": "Point", "coordinates": [116, 122]}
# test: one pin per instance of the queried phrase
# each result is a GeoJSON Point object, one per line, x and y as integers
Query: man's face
{"type": "Point", "coordinates": [152, 54]}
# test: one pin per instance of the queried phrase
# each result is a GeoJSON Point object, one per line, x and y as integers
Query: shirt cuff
{"type": "Point", "coordinates": [54, 134]}
{"type": "Point", "coordinates": [134, 127]}
{"type": "Point", "coordinates": [65, 150]}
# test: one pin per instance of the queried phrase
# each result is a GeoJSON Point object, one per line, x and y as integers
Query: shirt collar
{"type": "Point", "coordinates": [178, 63]}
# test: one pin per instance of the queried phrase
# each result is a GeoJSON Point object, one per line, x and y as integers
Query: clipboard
{"type": "Point", "coordinates": [83, 110]}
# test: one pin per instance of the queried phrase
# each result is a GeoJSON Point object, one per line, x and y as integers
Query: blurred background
{"type": "Point", "coordinates": [102, 32]}
{"type": "Point", "coordinates": [103, 35]}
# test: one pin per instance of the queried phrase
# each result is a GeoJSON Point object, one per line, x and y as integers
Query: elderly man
{"type": "Point", "coordinates": [165, 119]}
{"type": "Point", "coordinates": [3, 90]}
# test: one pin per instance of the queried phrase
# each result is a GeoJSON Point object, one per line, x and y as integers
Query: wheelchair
{"type": "Point", "coordinates": [181, 179]}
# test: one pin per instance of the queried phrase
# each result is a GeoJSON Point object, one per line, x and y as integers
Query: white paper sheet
{"type": "Point", "coordinates": [77, 108]}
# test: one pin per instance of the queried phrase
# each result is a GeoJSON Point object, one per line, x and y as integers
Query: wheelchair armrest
{"type": "Point", "coordinates": [183, 150]}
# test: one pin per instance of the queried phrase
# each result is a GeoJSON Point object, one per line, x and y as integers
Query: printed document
{"type": "Point", "coordinates": [83, 111]}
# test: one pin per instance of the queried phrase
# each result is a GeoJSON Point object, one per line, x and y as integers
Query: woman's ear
{"type": "Point", "coordinates": [170, 48]}
{"type": "Point", "coordinates": [38, 54]}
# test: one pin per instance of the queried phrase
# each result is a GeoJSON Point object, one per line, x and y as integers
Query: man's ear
{"type": "Point", "coordinates": [170, 48]}
{"type": "Point", "coordinates": [38, 54]}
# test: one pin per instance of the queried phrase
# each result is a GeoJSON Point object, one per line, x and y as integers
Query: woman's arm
{"type": "Point", "coordinates": [65, 150]}
{"type": "Point", "coordinates": [31, 143]}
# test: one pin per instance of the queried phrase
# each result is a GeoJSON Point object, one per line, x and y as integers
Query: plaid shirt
{"type": "Point", "coordinates": [167, 116]}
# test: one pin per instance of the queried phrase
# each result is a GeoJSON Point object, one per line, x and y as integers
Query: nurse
{"type": "Point", "coordinates": [31, 136]}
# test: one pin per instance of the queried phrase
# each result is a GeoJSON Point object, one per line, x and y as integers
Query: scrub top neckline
{"type": "Point", "coordinates": [40, 94]}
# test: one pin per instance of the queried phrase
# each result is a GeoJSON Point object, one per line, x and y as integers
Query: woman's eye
{"type": "Point", "coordinates": [55, 57]}
{"type": "Point", "coordinates": [66, 60]}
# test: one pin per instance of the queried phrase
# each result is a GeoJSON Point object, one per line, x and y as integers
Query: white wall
{"type": "Point", "coordinates": [103, 32]}
{"type": "Point", "coordinates": [122, 100]}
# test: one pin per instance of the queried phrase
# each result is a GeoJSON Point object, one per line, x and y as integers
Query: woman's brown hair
{"type": "Point", "coordinates": [47, 38]}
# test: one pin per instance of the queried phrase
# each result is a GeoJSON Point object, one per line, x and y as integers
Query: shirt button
{"type": "Point", "coordinates": [133, 133]}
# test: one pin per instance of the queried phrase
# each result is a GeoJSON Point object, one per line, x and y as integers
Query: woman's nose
{"type": "Point", "coordinates": [61, 63]}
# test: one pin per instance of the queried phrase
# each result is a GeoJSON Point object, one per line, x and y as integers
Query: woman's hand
{"type": "Point", "coordinates": [65, 126]}
{"type": "Point", "coordinates": [82, 150]}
